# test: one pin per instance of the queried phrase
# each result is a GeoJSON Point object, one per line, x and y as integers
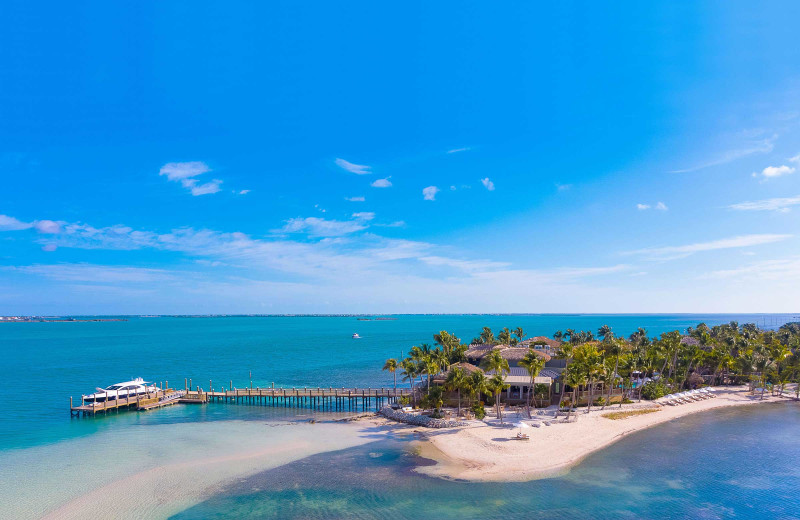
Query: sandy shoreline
{"type": "Point", "coordinates": [486, 453]}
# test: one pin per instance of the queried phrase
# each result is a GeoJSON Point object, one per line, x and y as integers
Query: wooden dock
{"type": "Point", "coordinates": [157, 399]}
{"type": "Point", "coordinates": [342, 399]}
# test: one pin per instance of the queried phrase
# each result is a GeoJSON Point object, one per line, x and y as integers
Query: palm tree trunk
{"type": "Point", "coordinates": [459, 401]}
{"type": "Point", "coordinates": [589, 402]}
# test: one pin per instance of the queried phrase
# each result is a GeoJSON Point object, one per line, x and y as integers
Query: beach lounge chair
{"type": "Point", "coordinates": [670, 400]}
{"type": "Point", "coordinates": [521, 437]}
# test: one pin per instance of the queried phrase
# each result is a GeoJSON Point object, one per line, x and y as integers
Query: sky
{"type": "Point", "coordinates": [423, 157]}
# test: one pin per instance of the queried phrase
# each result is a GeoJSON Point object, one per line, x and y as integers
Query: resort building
{"type": "Point", "coordinates": [518, 379]}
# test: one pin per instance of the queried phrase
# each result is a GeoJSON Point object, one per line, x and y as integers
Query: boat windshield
{"type": "Point", "coordinates": [114, 387]}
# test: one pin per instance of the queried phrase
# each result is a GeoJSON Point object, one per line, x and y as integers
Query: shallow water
{"type": "Point", "coordinates": [732, 463]}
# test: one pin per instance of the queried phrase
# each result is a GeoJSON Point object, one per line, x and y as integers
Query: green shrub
{"type": "Point", "coordinates": [478, 410]}
{"type": "Point", "coordinates": [565, 403]}
{"type": "Point", "coordinates": [626, 400]}
{"type": "Point", "coordinates": [653, 390]}
{"type": "Point", "coordinates": [404, 399]}
{"type": "Point", "coordinates": [600, 401]}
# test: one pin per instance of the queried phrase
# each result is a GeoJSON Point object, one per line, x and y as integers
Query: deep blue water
{"type": "Point", "coordinates": [730, 463]}
{"type": "Point", "coordinates": [48, 362]}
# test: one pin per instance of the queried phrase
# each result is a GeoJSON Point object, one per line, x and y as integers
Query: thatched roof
{"type": "Point", "coordinates": [512, 354]}
{"type": "Point", "coordinates": [538, 340]}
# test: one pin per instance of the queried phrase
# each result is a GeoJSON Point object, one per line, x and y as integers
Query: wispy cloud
{"type": "Point", "coordinates": [185, 173]}
{"type": "Point", "coordinates": [364, 215]}
{"type": "Point", "coordinates": [321, 227]}
{"type": "Point", "coordinates": [395, 224]}
{"type": "Point", "coordinates": [563, 187]}
{"type": "Point", "coordinates": [244, 192]}
{"type": "Point", "coordinates": [358, 169]}
{"type": "Point", "coordinates": [381, 183]}
{"type": "Point", "coordinates": [355, 199]}
{"type": "Point", "coordinates": [660, 206]}
{"type": "Point", "coordinates": [457, 150]}
{"type": "Point", "coordinates": [42, 226]}
{"type": "Point", "coordinates": [780, 204]}
{"type": "Point", "coordinates": [430, 192]}
{"type": "Point", "coordinates": [11, 224]}
{"type": "Point", "coordinates": [489, 185]}
{"type": "Point", "coordinates": [759, 146]}
{"type": "Point", "coordinates": [780, 270]}
{"type": "Point", "coordinates": [674, 252]}
{"type": "Point", "coordinates": [83, 272]}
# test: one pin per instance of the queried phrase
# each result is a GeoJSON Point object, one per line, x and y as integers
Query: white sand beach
{"type": "Point", "coordinates": [483, 452]}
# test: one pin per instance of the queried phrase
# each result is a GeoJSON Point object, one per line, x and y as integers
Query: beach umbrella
{"type": "Point", "coordinates": [522, 425]}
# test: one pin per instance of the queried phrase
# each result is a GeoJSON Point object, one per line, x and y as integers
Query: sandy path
{"type": "Point", "coordinates": [485, 452]}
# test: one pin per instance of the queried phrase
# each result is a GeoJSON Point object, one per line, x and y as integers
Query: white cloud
{"type": "Point", "coordinates": [364, 215]}
{"type": "Point", "coordinates": [795, 159]}
{"type": "Point", "coordinates": [183, 170]}
{"type": "Point", "coordinates": [660, 206]}
{"type": "Point", "coordinates": [456, 150]}
{"type": "Point", "coordinates": [775, 171]}
{"type": "Point", "coordinates": [563, 187]}
{"type": "Point", "coordinates": [673, 252]}
{"type": "Point", "coordinates": [186, 172]}
{"type": "Point", "coordinates": [453, 188]}
{"type": "Point", "coordinates": [355, 199]}
{"type": "Point", "coordinates": [780, 204]}
{"type": "Point", "coordinates": [47, 226]}
{"type": "Point", "coordinates": [358, 169]}
{"type": "Point", "coordinates": [382, 183]}
{"type": "Point", "coordinates": [395, 224]}
{"type": "Point", "coordinates": [49, 248]}
{"type": "Point", "coordinates": [489, 185]}
{"type": "Point", "coordinates": [320, 227]}
{"type": "Point", "coordinates": [430, 192]}
{"type": "Point", "coordinates": [203, 189]}
{"type": "Point", "coordinates": [11, 224]}
{"type": "Point", "coordinates": [244, 192]}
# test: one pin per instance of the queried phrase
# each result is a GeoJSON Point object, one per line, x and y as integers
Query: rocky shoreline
{"type": "Point", "coordinates": [418, 420]}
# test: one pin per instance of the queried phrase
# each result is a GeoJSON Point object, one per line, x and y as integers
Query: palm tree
{"type": "Point", "coordinates": [496, 385]}
{"type": "Point", "coordinates": [391, 366]}
{"type": "Point", "coordinates": [590, 360]}
{"type": "Point", "coordinates": [487, 336]}
{"type": "Point", "coordinates": [496, 362]}
{"type": "Point", "coordinates": [533, 364]}
{"type": "Point", "coordinates": [574, 377]}
{"type": "Point", "coordinates": [455, 381]}
{"type": "Point", "coordinates": [605, 332]}
{"type": "Point", "coordinates": [565, 352]}
{"type": "Point", "coordinates": [520, 334]}
{"type": "Point", "coordinates": [410, 372]}
{"type": "Point", "coordinates": [475, 385]}
{"type": "Point", "coordinates": [504, 337]}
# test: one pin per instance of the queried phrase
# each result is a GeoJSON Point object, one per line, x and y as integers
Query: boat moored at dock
{"type": "Point", "coordinates": [122, 390]}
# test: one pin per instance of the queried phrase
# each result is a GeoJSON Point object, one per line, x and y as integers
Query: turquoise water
{"type": "Point", "coordinates": [734, 463]}
{"type": "Point", "coordinates": [729, 463]}
{"type": "Point", "coordinates": [49, 362]}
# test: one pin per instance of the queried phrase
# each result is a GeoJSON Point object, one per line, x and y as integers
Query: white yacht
{"type": "Point", "coordinates": [356, 336]}
{"type": "Point", "coordinates": [121, 390]}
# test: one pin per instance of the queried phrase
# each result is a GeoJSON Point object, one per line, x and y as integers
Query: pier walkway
{"type": "Point", "coordinates": [344, 399]}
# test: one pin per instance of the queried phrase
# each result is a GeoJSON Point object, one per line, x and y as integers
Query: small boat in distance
{"type": "Point", "coordinates": [121, 390]}
{"type": "Point", "coordinates": [356, 336]}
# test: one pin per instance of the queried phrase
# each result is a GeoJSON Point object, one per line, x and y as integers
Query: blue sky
{"type": "Point", "coordinates": [201, 157]}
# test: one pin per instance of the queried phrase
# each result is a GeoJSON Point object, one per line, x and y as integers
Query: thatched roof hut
{"type": "Point", "coordinates": [513, 355]}
{"type": "Point", "coordinates": [466, 367]}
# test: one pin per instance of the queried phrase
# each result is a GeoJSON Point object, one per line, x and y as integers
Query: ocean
{"type": "Point", "coordinates": [46, 363]}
